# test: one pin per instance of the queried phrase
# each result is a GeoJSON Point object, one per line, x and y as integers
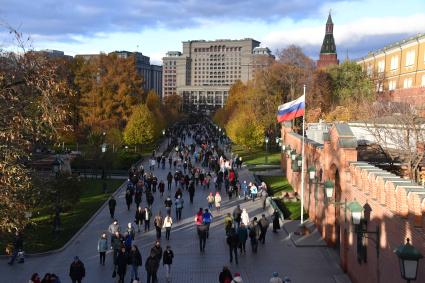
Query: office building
{"type": "Point", "coordinates": [204, 72]}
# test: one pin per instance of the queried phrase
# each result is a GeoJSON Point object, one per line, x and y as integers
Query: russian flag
{"type": "Point", "coordinates": [291, 110]}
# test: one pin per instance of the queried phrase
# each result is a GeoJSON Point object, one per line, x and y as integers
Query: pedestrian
{"type": "Point", "coordinates": [228, 223]}
{"type": "Point", "coordinates": [158, 222]}
{"type": "Point", "coordinates": [147, 214]}
{"type": "Point", "coordinates": [135, 260]}
{"type": "Point", "coordinates": [168, 222]}
{"type": "Point", "coordinates": [46, 278]}
{"type": "Point", "coordinates": [168, 203]}
{"type": "Point", "coordinates": [275, 278]}
{"type": "Point", "coordinates": [264, 194]}
{"type": "Point", "coordinates": [113, 228]}
{"type": "Point", "coordinates": [233, 242]}
{"type": "Point", "coordinates": [244, 188]}
{"type": "Point", "coordinates": [191, 191]}
{"type": "Point", "coordinates": [167, 260]}
{"type": "Point", "coordinates": [149, 199]}
{"type": "Point", "coordinates": [138, 218]}
{"type": "Point", "coordinates": [102, 248]}
{"type": "Point", "coordinates": [254, 232]}
{"type": "Point", "coordinates": [264, 225]}
{"type": "Point", "coordinates": [77, 271]}
{"type": "Point", "coordinates": [161, 187]}
{"type": "Point", "coordinates": [217, 200]}
{"type": "Point", "coordinates": [254, 192]}
{"type": "Point", "coordinates": [225, 275]}
{"type": "Point", "coordinates": [207, 218]}
{"type": "Point", "coordinates": [116, 243]}
{"type": "Point", "coordinates": [169, 180]}
{"type": "Point", "coordinates": [245, 217]}
{"type": "Point", "coordinates": [127, 242]}
{"type": "Point", "coordinates": [128, 198]}
{"type": "Point", "coordinates": [131, 231]}
{"type": "Point", "coordinates": [210, 200]}
{"type": "Point", "coordinates": [35, 278]}
{"type": "Point", "coordinates": [151, 266]}
{"type": "Point", "coordinates": [112, 203]}
{"type": "Point", "coordinates": [237, 278]}
{"type": "Point", "coordinates": [202, 235]}
{"type": "Point", "coordinates": [237, 215]}
{"type": "Point", "coordinates": [243, 236]}
{"type": "Point", "coordinates": [18, 247]}
{"type": "Point", "coordinates": [138, 197]}
{"type": "Point", "coordinates": [276, 224]}
{"type": "Point", "coordinates": [122, 261]}
{"type": "Point", "coordinates": [198, 217]}
{"type": "Point", "coordinates": [156, 251]}
{"type": "Point", "coordinates": [179, 207]}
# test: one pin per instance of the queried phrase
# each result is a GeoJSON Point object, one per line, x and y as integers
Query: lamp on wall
{"type": "Point", "coordinates": [409, 258]}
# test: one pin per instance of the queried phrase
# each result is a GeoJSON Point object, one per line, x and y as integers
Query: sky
{"type": "Point", "coordinates": [154, 27]}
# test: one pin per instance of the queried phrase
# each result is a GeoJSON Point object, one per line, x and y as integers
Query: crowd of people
{"type": "Point", "coordinates": [195, 160]}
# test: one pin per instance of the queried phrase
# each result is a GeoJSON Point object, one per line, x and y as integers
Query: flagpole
{"type": "Point", "coordinates": [302, 165]}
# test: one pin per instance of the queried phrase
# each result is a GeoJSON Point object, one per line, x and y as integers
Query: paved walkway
{"type": "Point", "coordinates": [278, 254]}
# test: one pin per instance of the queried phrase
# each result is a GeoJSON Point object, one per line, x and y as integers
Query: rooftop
{"type": "Point", "coordinates": [393, 45]}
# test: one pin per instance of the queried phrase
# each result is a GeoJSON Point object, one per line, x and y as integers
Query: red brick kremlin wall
{"type": "Point", "coordinates": [397, 207]}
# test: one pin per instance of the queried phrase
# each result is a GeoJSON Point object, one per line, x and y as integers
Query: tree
{"type": "Point", "coordinates": [244, 129]}
{"type": "Point", "coordinates": [400, 132]}
{"type": "Point", "coordinates": [141, 128]}
{"type": "Point", "coordinates": [350, 84]}
{"type": "Point", "coordinates": [34, 105]}
{"type": "Point", "coordinates": [109, 88]}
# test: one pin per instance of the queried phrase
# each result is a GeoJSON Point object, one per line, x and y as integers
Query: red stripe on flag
{"type": "Point", "coordinates": [290, 116]}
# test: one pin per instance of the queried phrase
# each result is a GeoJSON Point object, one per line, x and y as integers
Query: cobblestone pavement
{"type": "Point", "coordinates": [278, 254]}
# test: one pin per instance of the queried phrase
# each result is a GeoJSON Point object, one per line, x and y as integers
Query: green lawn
{"type": "Point", "coordinates": [256, 156]}
{"type": "Point", "coordinates": [40, 237]}
{"type": "Point", "coordinates": [277, 184]}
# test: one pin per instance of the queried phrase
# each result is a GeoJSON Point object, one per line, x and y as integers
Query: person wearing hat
{"type": "Point", "coordinates": [286, 279]}
{"type": "Point", "coordinates": [77, 271]}
{"type": "Point", "coordinates": [276, 278]}
{"type": "Point", "coordinates": [237, 278]}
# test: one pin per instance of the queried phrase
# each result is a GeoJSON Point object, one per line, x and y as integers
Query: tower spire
{"type": "Point", "coordinates": [328, 54]}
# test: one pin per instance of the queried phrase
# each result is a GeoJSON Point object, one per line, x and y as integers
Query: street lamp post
{"type": "Point", "coordinates": [57, 170]}
{"type": "Point", "coordinates": [266, 139]}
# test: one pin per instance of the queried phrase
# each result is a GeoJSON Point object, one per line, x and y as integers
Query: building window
{"type": "Point", "coordinates": [394, 62]}
{"type": "Point", "coordinates": [407, 83]}
{"type": "Point", "coordinates": [381, 66]}
{"type": "Point", "coordinates": [392, 85]}
{"type": "Point", "coordinates": [410, 58]}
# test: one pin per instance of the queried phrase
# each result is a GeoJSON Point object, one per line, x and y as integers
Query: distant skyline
{"type": "Point", "coordinates": [155, 27]}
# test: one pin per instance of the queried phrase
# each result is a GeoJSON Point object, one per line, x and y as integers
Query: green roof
{"type": "Point", "coordinates": [329, 21]}
{"type": "Point", "coordinates": [328, 45]}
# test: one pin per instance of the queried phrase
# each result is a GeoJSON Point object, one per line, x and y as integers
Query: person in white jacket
{"type": "Point", "coordinates": [168, 222]}
{"type": "Point", "coordinates": [245, 217]}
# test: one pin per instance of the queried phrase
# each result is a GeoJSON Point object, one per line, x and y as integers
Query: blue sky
{"type": "Point", "coordinates": [157, 26]}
